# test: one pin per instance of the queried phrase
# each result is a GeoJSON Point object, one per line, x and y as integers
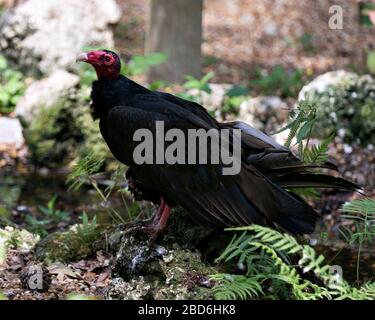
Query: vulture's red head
{"type": "Point", "coordinates": [106, 63]}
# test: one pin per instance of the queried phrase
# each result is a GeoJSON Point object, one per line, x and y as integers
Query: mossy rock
{"type": "Point", "coordinates": [63, 133]}
{"type": "Point", "coordinates": [52, 137]}
{"type": "Point", "coordinates": [346, 104]}
{"type": "Point", "coordinates": [166, 274]}
{"type": "Point", "coordinates": [18, 239]}
{"type": "Point", "coordinates": [5, 216]}
{"type": "Point", "coordinates": [171, 268]}
{"type": "Point", "coordinates": [68, 246]}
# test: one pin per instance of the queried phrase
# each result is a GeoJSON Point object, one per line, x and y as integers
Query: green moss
{"type": "Point", "coordinates": [166, 274]}
{"type": "Point", "coordinates": [171, 269]}
{"type": "Point", "coordinates": [53, 137]}
{"type": "Point", "coordinates": [5, 215]}
{"type": "Point", "coordinates": [68, 246]}
{"type": "Point", "coordinates": [63, 133]}
{"type": "Point", "coordinates": [12, 86]}
{"type": "Point", "coordinates": [92, 141]}
{"type": "Point", "coordinates": [18, 239]}
{"type": "Point", "coordinates": [349, 108]}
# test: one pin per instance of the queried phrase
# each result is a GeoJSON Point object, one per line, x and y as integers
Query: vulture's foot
{"type": "Point", "coordinates": [157, 224]}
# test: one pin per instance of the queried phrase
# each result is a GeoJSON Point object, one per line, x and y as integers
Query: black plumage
{"type": "Point", "coordinates": [256, 195]}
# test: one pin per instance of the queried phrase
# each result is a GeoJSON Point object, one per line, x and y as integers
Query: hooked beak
{"type": "Point", "coordinates": [82, 57]}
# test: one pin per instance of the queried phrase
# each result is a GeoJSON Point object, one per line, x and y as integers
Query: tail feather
{"type": "Point", "coordinates": [305, 180]}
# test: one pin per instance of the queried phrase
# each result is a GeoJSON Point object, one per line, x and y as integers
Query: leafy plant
{"type": "Point", "coordinates": [301, 127]}
{"type": "Point", "coordinates": [200, 85]}
{"type": "Point", "coordinates": [140, 64]}
{"type": "Point", "coordinates": [276, 266]}
{"type": "Point", "coordinates": [233, 99]}
{"type": "Point", "coordinates": [87, 230]}
{"type": "Point", "coordinates": [83, 170]}
{"type": "Point", "coordinates": [50, 216]}
{"type": "Point", "coordinates": [303, 119]}
{"type": "Point", "coordinates": [361, 213]}
{"type": "Point", "coordinates": [278, 82]}
{"type": "Point", "coordinates": [86, 170]}
{"type": "Point", "coordinates": [371, 61]}
{"type": "Point", "coordinates": [134, 210]}
{"type": "Point", "coordinates": [37, 226]}
{"type": "Point", "coordinates": [233, 287]}
{"type": "Point", "coordinates": [50, 212]}
{"type": "Point", "coordinates": [2, 296]}
{"type": "Point", "coordinates": [12, 87]}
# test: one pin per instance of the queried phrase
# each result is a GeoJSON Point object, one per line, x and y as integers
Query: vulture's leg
{"type": "Point", "coordinates": [159, 213]}
{"type": "Point", "coordinates": [155, 225]}
{"type": "Point", "coordinates": [160, 220]}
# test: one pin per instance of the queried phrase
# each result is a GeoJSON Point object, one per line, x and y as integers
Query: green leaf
{"type": "Point", "coordinates": [207, 77]}
{"type": "Point", "coordinates": [237, 91]}
{"type": "Point", "coordinates": [305, 130]}
{"type": "Point", "coordinates": [3, 63]}
{"type": "Point", "coordinates": [3, 251]}
{"type": "Point", "coordinates": [371, 62]}
{"type": "Point", "coordinates": [134, 210]}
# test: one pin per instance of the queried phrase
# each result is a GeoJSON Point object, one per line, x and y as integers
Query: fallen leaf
{"type": "Point", "coordinates": [102, 277]}
{"type": "Point", "coordinates": [60, 268]}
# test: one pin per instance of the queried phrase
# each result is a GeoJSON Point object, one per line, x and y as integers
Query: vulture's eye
{"type": "Point", "coordinates": [107, 59]}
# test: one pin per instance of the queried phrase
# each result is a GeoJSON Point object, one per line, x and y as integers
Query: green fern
{"type": "Point", "coordinates": [361, 213]}
{"type": "Point", "coordinates": [83, 170]}
{"type": "Point", "coordinates": [275, 276]}
{"type": "Point", "coordinates": [310, 261]}
{"type": "Point", "coordinates": [317, 154]}
{"type": "Point", "coordinates": [302, 123]}
{"type": "Point", "coordinates": [232, 287]}
{"type": "Point", "coordinates": [303, 119]}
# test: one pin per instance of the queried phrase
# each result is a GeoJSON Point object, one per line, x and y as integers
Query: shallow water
{"type": "Point", "coordinates": [28, 191]}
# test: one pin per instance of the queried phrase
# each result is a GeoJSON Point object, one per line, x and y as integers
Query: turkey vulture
{"type": "Point", "coordinates": [257, 194]}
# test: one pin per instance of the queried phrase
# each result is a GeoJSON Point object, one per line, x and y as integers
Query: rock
{"type": "Point", "coordinates": [158, 273]}
{"type": "Point", "coordinates": [45, 112]}
{"type": "Point", "coordinates": [323, 82]}
{"type": "Point", "coordinates": [19, 239]}
{"type": "Point", "coordinates": [58, 126]}
{"type": "Point", "coordinates": [264, 111]}
{"type": "Point", "coordinates": [346, 104]}
{"type": "Point", "coordinates": [45, 93]}
{"type": "Point", "coordinates": [43, 36]}
{"type": "Point", "coordinates": [214, 100]}
{"type": "Point", "coordinates": [68, 245]}
{"type": "Point", "coordinates": [11, 132]}
{"type": "Point", "coordinates": [170, 268]}
{"type": "Point", "coordinates": [119, 289]}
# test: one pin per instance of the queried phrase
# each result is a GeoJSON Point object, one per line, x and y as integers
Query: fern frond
{"type": "Point", "coordinates": [317, 154]}
{"type": "Point", "coordinates": [264, 252]}
{"type": "Point", "coordinates": [279, 241]}
{"type": "Point", "coordinates": [83, 169]}
{"type": "Point", "coordinates": [310, 261]}
{"type": "Point", "coordinates": [361, 207]}
{"type": "Point", "coordinates": [232, 287]}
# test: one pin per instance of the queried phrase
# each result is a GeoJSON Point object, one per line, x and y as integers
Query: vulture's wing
{"type": "Point", "coordinates": [214, 199]}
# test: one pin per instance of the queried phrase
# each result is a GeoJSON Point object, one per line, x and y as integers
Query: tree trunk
{"type": "Point", "coordinates": [175, 28]}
